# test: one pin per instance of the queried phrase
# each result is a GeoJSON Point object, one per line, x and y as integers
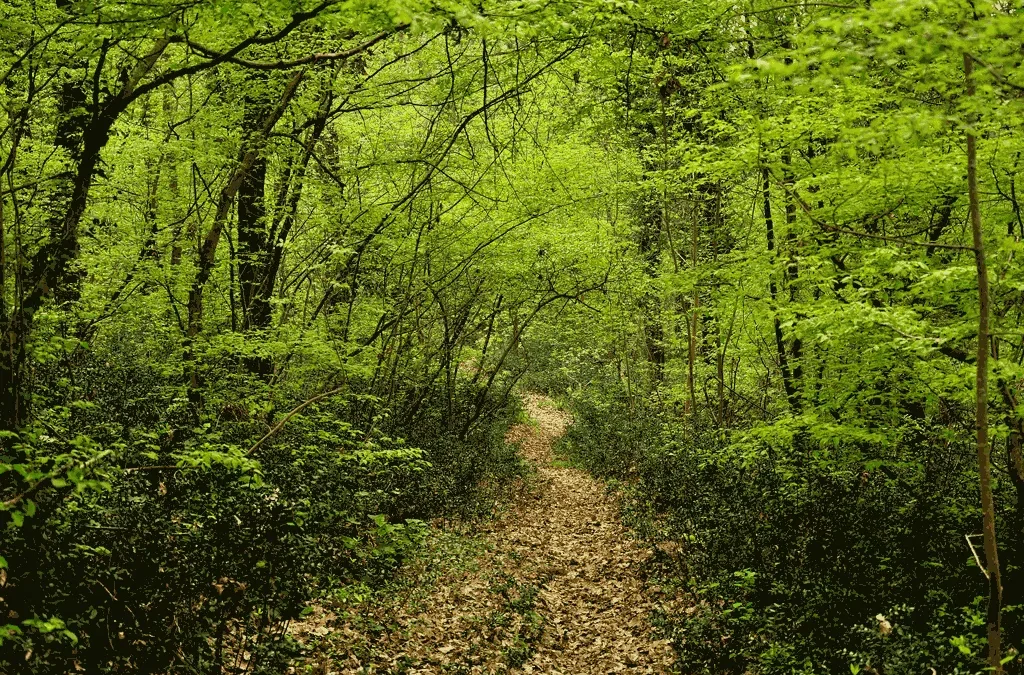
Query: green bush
{"type": "Point", "coordinates": [794, 555]}
{"type": "Point", "coordinates": [187, 552]}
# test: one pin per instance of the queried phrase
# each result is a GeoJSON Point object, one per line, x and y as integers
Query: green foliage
{"type": "Point", "coordinates": [272, 273]}
{"type": "Point", "coordinates": [790, 557]}
{"type": "Point", "coordinates": [226, 548]}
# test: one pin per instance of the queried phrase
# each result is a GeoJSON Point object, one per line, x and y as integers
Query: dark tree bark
{"type": "Point", "coordinates": [51, 273]}
{"type": "Point", "coordinates": [654, 332]}
{"type": "Point", "coordinates": [773, 290]}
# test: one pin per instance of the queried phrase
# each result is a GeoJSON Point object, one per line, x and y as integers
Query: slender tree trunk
{"type": "Point", "coordinates": [694, 305]}
{"type": "Point", "coordinates": [792, 269]}
{"type": "Point", "coordinates": [170, 110]}
{"type": "Point", "coordinates": [253, 243]}
{"type": "Point", "coordinates": [773, 290]}
{"type": "Point", "coordinates": [719, 346]}
{"type": "Point", "coordinates": [653, 331]}
{"type": "Point", "coordinates": [252, 240]}
{"type": "Point", "coordinates": [981, 398]}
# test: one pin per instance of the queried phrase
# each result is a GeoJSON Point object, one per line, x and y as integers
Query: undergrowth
{"type": "Point", "coordinates": [199, 554]}
{"type": "Point", "coordinates": [797, 556]}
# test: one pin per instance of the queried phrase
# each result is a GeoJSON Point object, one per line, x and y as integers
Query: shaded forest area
{"type": "Point", "coordinates": [273, 275]}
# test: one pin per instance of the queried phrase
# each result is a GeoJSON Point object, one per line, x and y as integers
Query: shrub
{"type": "Point", "coordinates": [800, 556]}
{"type": "Point", "coordinates": [197, 555]}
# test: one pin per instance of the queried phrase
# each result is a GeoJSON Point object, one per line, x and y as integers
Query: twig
{"type": "Point", "coordinates": [133, 469]}
{"type": "Point", "coordinates": [294, 411]}
{"type": "Point", "coordinates": [312, 58]}
{"type": "Point", "coordinates": [842, 230]}
{"type": "Point", "coordinates": [13, 501]}
{"type": "Point", "coordinates": [1002, 79]}
{"type": "Point", "coordinates": [975, 554]}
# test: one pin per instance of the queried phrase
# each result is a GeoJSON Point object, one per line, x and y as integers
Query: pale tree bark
{"type": "Point", "coordinates": [981, 398]}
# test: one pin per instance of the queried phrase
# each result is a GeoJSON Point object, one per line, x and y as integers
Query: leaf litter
{"type": "Point", "coordinates": [555, 584]}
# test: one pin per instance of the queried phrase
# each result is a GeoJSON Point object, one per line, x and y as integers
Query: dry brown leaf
{"type": "Point", "coordinates": [562, 538]}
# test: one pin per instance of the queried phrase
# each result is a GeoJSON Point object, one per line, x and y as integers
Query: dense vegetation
{"type": "Point", "coordinates": [271, 275]}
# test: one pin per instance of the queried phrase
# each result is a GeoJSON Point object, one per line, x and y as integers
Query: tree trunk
{"type": "Point", "coordinates": [981, 398]}
{"type": "Point", "coordinates": [694, 306]}
{"type": "Point", "coordinates": [773, 290]}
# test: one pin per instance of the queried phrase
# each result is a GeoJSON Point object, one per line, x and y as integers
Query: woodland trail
{"type": "Point", "coordinates": [559, 589]}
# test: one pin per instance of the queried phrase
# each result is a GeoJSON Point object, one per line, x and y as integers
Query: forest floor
{"type": "Point", "coordinates": [555, 585]}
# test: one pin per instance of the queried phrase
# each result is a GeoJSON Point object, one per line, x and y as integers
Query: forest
{"type": "Point", "coordinates": [435, 336]}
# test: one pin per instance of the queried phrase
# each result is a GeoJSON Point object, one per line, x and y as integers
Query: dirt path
{"type": "Point", "coordinates": [558, 589]}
